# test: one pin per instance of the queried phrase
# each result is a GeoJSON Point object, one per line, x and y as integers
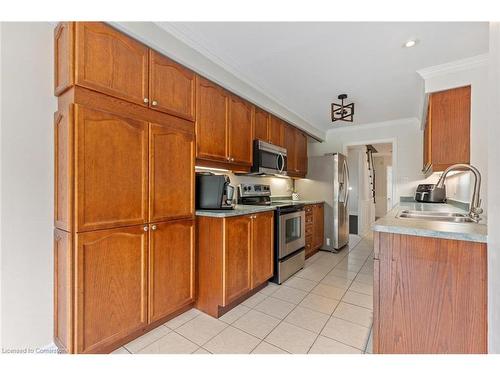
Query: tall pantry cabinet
{"type": "Point", "coordinates": [124, 188]}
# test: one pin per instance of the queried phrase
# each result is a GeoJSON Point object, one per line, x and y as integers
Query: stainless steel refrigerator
{"type": "Point", "coordinates": [328, 180]}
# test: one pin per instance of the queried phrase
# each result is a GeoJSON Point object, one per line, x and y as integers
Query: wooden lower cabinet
{"type": "Point", "coordinates": [171, 267]}
{"type": "Point", "coordinates": [111, 286]}
{"type": "Point", "coordinates": [314, 228]}
{"type": "Point", "coordinates": [430, 295]}
{"type": "Point", "coordinates": [234, 257]}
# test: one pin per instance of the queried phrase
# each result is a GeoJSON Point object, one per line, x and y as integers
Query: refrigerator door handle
{"type": "Point", "coordinates": [346, 171]}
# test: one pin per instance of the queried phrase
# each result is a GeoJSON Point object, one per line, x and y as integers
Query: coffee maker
{"type": "Point", "coordinates": [214, 192]}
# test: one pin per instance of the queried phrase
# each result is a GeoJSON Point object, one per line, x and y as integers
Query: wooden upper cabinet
{"type": "Point", "coordinates": [276, 131]}
{"type": "Point", "coordinates": [237, 257]}
{"type": "Point", "coordinates": [63, 57]}
{"type": "Point", "coordinates": [111, 280]}
{"type": "Point", "coordinates": [63, 168]}
{"type": "Point", "coordinates": [171, 267]}
{"type": "Point", "coordinates": [240, 131]}
{"type": "Point", "coordinates": [171, 87]}
{"type": "Point", "coordinates": [262, 248]}
{"type": "Point", "coordinates": [447, 134]}
{"type": "Point", "coordinates": [261, 125]}
{"type": "Point", "coordinates": [291, 152]}
{"type": "Point", "coordinates": [318, 225]}
{"type": "Point", "coordinates": [111, 62]}
{"type": "Point", "coordinates": [211, 120]}
{"type": "Point", "coordinates": [111, 170]}
{"type": "Point", "coordinates": [301, 151]}
{"type": "Point", "coordinates": [171, 172]}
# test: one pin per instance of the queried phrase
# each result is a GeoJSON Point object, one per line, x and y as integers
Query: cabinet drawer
{"type": "Point", "coordinates": [308, 209]}
{"type": "Point", "coordinates": [309, 230]}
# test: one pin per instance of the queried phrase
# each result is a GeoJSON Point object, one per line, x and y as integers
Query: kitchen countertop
{"type": "Point", "coordinates": [239, 210]}
{"type": "Point", "coordinates": [242, 209]}
{"type": "Point", "coordinates": [426, 228]}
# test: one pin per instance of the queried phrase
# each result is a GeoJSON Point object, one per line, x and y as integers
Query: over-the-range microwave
{"type": "Point", "coordinates": [268, 159]}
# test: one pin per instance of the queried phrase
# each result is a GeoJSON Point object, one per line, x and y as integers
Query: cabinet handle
{"type": "Point", "coordinates": [232, 159]}
{"type": "Point", "coordinates": [146, 100]}
{"type": "Point", "coordinates": [145, 228]}
{"type": "Point", "coordinates": [153, 227]}
{"type": "Point", "coordinates": [154, 102]}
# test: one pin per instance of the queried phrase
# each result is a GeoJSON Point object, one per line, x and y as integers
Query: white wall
{"type": "Point", "coordinates": [475, 74]}
{"type": "Point", "coordinates": [381, 162]}
{"type": "Point", "coordinates": [407, 137]}
{"type": "Point", "coordinates": [494, 192]}
{"type": "Point", "coordinates": [353, 163]}
{"type": "Point", "coordinates": [27, 184]}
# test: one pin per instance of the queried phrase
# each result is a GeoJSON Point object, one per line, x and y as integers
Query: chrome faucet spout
{"type": "Point", "coordinates": [475, 205]}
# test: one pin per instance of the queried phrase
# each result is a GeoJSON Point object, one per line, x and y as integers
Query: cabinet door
{"type": "Point", "coordinates": [240, 131]}
{"type": "Point", "coordinates": [301, 150]}
{"type": "Point", "coordinates": [290, 149]}
{"type": "Point", "coordinates": [171, 87]}
{"type": "Point", "coordinates": [63, 56]}
{"type": "Point", "coordinates": [110, 62]}
{"type": "Point", "coordinates": [262, 248]}
{"type": "Point", "coordinates": [318, 225]}
{"type": "Point", "coordinates": [171, 267]}
{"type": "Point", "coordinates": [237, 251]}
{"type": "Point", "coordinates": [171, 172]}
{"type": "Point", "coordinates": [211, 121]}
{"type": "Point", "coordinates": [450, 129]}
{"type": "Point", "coordinates": [261, 125]}
{"type": "Point", "coordinates": [63, 290]}
{"type": "Point", "coordinates": [276, 131]}
{"type": "Point", "coordinates": [112, 170]}
{"type": "Point", "coordinates": [111, 286]}
{"type": "Point", "coordinates": [427, 143]}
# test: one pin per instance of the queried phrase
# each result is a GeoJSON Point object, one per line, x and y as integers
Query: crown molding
{"type": "Point", "coordinates": [454, 66]}
{"type": "Point", "coordinates": [408, 121]}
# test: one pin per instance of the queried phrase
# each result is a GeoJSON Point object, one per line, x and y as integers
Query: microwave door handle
{"type": "Point", "coordinates": [282, 163]}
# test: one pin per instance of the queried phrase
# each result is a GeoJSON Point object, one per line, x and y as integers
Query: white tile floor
{"type": "Point", "coordinates": [326, 308]}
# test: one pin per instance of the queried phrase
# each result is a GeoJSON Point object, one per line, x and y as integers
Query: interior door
{"type": "Point", "coordinates": [111, 62]}
{"type": "Point", "coordinates": [171, 171]}
{"type": "Point", "coordinates": [237, 252]}
{"type": "Point", "coordinates": [171, 267]}
{"type": "Point", "coordinates": [111, 170]}
{"type": "Point", "coordinates": [111, 286]}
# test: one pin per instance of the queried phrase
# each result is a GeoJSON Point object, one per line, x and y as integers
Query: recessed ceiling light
{"type": "Point", "coordinates": [410, 43]}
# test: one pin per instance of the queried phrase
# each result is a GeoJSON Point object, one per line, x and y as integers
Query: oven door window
{"type": "Point", "coordinates": [293, 229]}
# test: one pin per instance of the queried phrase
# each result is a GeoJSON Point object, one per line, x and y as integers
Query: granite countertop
{"type": "Point", "coordinates": [289, 201]}
{"type": "Point", "coordinates": [239, 210]}
{"type": "Point", "coordinates": [426, 228]}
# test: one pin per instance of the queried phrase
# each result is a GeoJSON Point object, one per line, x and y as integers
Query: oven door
{"type": "Point", "coordinates": [292, 232]}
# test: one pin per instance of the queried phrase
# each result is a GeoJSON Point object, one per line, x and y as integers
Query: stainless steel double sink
{"type": "Point", "coordinates": [449, 217]}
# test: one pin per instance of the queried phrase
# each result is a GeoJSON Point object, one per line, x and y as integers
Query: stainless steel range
{"type": "Point", "coordinates": [289, 229]}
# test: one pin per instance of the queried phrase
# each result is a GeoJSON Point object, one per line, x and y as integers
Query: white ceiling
{"type": "Point", "coordinates": [304, 66]}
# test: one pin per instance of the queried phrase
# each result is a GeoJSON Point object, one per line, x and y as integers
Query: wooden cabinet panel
{"type": "Point", "coordinates": [63, 167]}
{"type": "Point", "coordinates": [112, 170]}
{"type": "Point", "coordinates": [240, 131]}
{"type": "Point", "coordinates": [211, 120]}
{"type": "Point", "coordinates": [171, 172]}
{"type": "Point", "coordinates": [276, 131]}
{"type": "Point", "coordinates": [111, 62]}
{"type": "Point", "coordinates": [171, 87]}
{"type": "Point", "coordinates": [171, 267]}
{"type": "Point", "coordinates": [237, 262]}
{"type": "Point", "coordinates": [301, 151]}
{"type": "Point", "coordinates": [63, 57]}
{"type": "Point", "coordinates": [262, 248]}
{"type": "Point", "coordinates": [63, 290]}
{"type": "Point", "coordinates": [261, 125]}
{"type": "Point", "coordinates": [111, 284]}
{"type": "Point", "coordinates": [318, 225]}
{"type": "Point", "coordinates": [289, 141]}
{"type": "Point", "coordinates": [431, 296]}
{"type": "Point", "coordinates": [447, 131]}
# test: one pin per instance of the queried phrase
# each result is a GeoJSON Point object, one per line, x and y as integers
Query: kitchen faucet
{"type": "Point", "coordinates": [475, 205]}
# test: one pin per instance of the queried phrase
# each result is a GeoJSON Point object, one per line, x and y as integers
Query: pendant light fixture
{"type": "Point", "coordinates": [342, 111]}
